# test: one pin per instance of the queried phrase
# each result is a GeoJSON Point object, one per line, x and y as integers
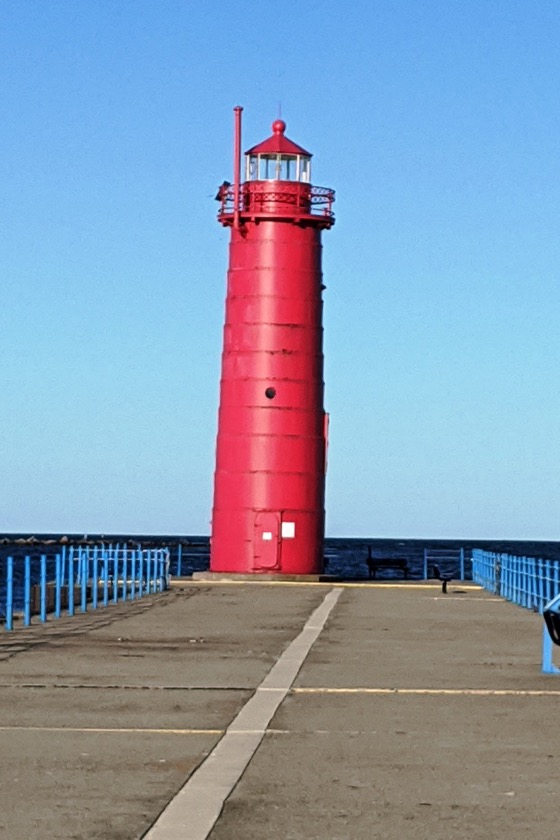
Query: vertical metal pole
{"type": "Point", "coordinates": [179, 559]}
{"type": "Point", "coordinates": [43, 591]}
{"type": "Point", "coordinates": [57, 585]}
{"type": "Point", "coordinates": [153, 572]}
{"type": "Point", "coordinates": [236, 163]}
{"type": "Point", "coordinates": [539, 571]}
{"type": "Point", "coordinates": [124, 573]}
{"type": "Point", "coordinates": [83, 572]}
{"type": "Point", "coordinates": [140, 573]}
{"type": "Point", "coordinates": [166, 570]}
{"type": "Point", "coordinates": [160, 558]}
{"type": "Point", "coordinates": [95, 579]}
{"type": "Point", "coordinates": [79, 569]}
{"type": "Point", "coordinates": [462, 563]}
{"type": "Point", "coordinates": [71, 581]}
{"type": "Point", "coordinates": [116, 574]}
{"type": "Point", "coordinates": [10, 594]}
{"type": "Point", "coordinates": [133, 575]}
{"type": "Point", "coordinates": [425, 564]}
{"type": "Point", "coordinates": [27, 592]}
{"type": "Point", "coordinates": [105, 573]}
{"type": "Point", "coordinates": [148, 571]}
{"type": "Point", "coordinates": [548, 666]}
{"type": "Point", "coordinates": [506, 576]}
{"type": "Point", "coordinates": [63, 564]}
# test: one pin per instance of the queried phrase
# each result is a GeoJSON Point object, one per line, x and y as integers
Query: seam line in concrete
{"type": "Point", "coordinates": [477, 692]}
{"type": "Point", "coordinates": [111, 730]}
{"type": "Point", "coordinates": [195, 809]}
{"type": "Point", "coordinates": [127, 687]}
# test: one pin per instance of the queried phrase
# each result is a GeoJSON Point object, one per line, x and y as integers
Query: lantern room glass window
{"type": "Point", "coordinates": [278, 167]}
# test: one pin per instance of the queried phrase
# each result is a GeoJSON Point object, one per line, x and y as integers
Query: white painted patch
{"type": "Point", "coordinates": [267, 535]}
{"type": "Point", "coordinates": [288, 530]}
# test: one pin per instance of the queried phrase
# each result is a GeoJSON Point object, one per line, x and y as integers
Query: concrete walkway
{"type": "Point", "coordinates": [281, 711]}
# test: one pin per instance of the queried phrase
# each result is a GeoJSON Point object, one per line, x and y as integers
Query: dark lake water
{"type": "Point", "coordinates": [345, 557]}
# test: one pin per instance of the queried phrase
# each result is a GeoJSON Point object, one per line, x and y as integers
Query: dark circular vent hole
{"type": "Point", "coordinates": [270, 393]}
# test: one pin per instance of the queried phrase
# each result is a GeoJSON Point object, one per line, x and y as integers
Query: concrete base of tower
{"type": "Point", "coordinates": [258, 577]}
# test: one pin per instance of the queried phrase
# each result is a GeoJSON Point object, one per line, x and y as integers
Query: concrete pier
{"type": "Point", "coordinates": [270, 710]}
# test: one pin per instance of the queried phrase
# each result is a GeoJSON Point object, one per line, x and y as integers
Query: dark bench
{"type": "Point", "coordinates": [376, 563]}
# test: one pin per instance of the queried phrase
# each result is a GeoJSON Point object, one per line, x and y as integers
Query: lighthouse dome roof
{"type": "Point", "coordinates": [278, 143]}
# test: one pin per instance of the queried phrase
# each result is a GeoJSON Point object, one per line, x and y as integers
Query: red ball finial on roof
{"type": "Point", "coordinates": [279, 126]}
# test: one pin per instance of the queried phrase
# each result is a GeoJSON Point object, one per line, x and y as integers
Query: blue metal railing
{"type": "Point", "coordinates": [528, 581]}
{"type": "Point", "coordinates": [531, 582]}
{"type": "Point", "coordinates": [81, 577]}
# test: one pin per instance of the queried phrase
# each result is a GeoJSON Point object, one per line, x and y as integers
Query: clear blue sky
{"type": "Point", "coordinates": [436, 122]}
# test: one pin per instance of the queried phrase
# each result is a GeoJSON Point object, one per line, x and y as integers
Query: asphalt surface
{"type": "Point", "coordinates": [409, 714]}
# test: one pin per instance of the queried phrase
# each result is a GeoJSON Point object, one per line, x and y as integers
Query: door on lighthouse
{"type": "Point", "coordinates": [266, 540]}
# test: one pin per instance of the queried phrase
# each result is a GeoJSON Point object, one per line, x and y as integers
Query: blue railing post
{"type": "Point", "coordinates": [57, 585]}
{"type": "Point", "coordinates": [522, 581]}
{"type": "Point", "coordinates": [10, 594]}
{"type": "Point", "coordinates": [152, 571]}
{"type": "Point", "coordinates": [548, 667]}
{"type": "Point", "coordinates": [78, 571]}
{"type": "Point", "coordinates": [425, 572]}
{"type": "Point", "coordinates": [43, 589]}
{"type": "Point", "coordinates": [160, 568]}
{"type": "Point", "coordinates": [548, 581]}
{"type": "Point", "coordinates": [148, 572]}
{"type": "Point", "coordinates": [165, 571]}
{"type": "Point", "coordinates": [180, 559]}
{"type": "Point", "coordinates": [518, 578]}
{"type": "Point", "coordinates": [71, 581]}
{"type": "Point", "coordinates": [116, 574]}
{"type": "Point", "coordinates": [27, 591]}
{"type": "Point", "coordinates": [105, 573]}
{"type": "Point", "coordinates": [133, 575]}
{"type": "Point", "coordinates": [511, 582]}
{"type": "Point", "coordinates": [63, 564]}
{"type": "Point", "coordinates": [140, 574]}
{"type": "Point", "coordinates": [506, 577]}
{"type": "Point", "coordinates": [83, 572]}
{"type": "Point", "coordinates": [124, 572]}
{"type": "Point", "coordinates": [462, 563]}
{"type": "Point", "coordinates": [95, 579]}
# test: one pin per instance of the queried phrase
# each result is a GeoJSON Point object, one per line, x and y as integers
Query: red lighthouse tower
{"type": "Point", "coordinates": [269, 486]}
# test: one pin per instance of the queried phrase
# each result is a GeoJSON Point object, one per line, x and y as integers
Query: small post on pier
{"type": "Point", "coordinates": [548, 667]}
